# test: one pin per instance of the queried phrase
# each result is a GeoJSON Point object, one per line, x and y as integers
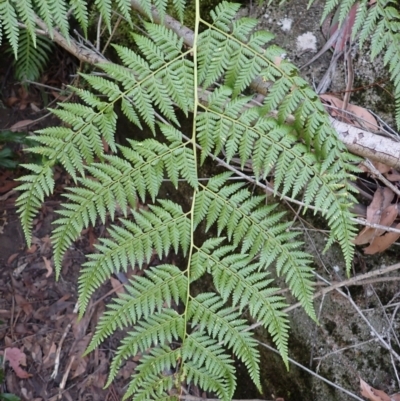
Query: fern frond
{"type": "Point", "coordinates": [26, 14]}
{"type": "Point", "coordinates": [201, 377]}
{"type": "Point", "coordinates": [81, 13]}
{"type": "Point", "coordinates": [9, 23]}
{"type": "Point", "coordinates": [145, 295]}
{"type": "Point", "coordinates": [305, 158]}
{"type": "Point", "coordinates": [133, 243]}
{"type": "Point", "coordinates": [33, 56]}
{"type": "Point", "coordinates": [34, 188]}
{"type": "Point", "coordinates": [274, 147]}
{"type": "Point", "coordinates": [224, 324]}
{"type": "Point", "coordinates": [58, 11]}
{"type": "Point", "coordinates": [44, 12]}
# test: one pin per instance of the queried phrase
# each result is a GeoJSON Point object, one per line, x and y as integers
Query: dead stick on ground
{"type": "Point", "coordinates": [58, 353]}
{"type": "Point", "coordinates": [65, 377]}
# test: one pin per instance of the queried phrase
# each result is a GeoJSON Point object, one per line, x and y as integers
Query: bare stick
{"type": "Point", "coordinates": [58, 353]}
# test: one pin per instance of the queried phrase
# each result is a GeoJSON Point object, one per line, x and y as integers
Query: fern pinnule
{"type": "Point", "coordinates": [255, 228]}
{"type": "Point", "coordinates": [236, 277]}
{"type": "Point", "coordinates": [80, 12]}
{"type": "Point", "coordinates": [118, 182]}
{"type": "Point", "coordinates": [201, 377]}
{"type": "Point", "coordinates": [59, 14]}
{"type": "Point", "coordinates": [223, 15]}
{"type": "Point", "coordinates": [26, 13]}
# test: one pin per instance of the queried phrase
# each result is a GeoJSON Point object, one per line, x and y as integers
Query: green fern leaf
{"type": "Point", "coordinates": [27, 15]}
{"type": "Point", "coordinates": [257, 228]}
{"type": "Point", "coordinates": [235, 276]}
{"type": "Point", "coordinates": [34, 188]}
{"type": "Point", "coordinates": [227, 328]}
{"type": "Point", "coordinates": [58, 11]}
{"type": "Point", "coordinates": [160, 328]}
{"type": "Point", "coordinates": [9, 22]}
{"type": "Point", "coordinates": [81, 14]}
{"type": "Point", "coordinates": [33, 56]}
{"type": "Point", "coordinates": [132, 244]}
{"type": "Point", "coordinates": [200, 351]}
{"type": "Point", "coordinates": [152, 380]}
{"type": "Point", "coordinates": [145, 296]}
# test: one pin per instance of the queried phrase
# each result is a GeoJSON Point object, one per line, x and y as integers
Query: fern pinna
{"type": "Point", "coordinates": [192, 337]}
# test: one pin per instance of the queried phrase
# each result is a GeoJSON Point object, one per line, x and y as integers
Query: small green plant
{"type": "Point", "coordinates": [8, 158]}
{"type": "Point", "coordinates": [5, 396]}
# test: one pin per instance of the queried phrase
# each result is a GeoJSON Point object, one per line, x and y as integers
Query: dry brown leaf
{"type": "Point", "coordinates": [59, 97]}
{"type": "Point", "coordinates": [32, 249]}
{"type": "Point", "coordinates": [79, 364]}
{"type": "Point", "coordinates": [48, 266]}
{"type": "Point", "coordinates": [127, 370]}
{"type": "Point", "coordinates": [375, 211]}
{"type": "Point", "coordinates": [6, 187]}
{"type": "Point", "coordinates": [117, 286]}
{"type": "Point", "coordinates": [388, 217]}
{"type": "Point", "coordinates": [16, 358]}
{"type": "Point", "coordinates": [17, 271]}
{"type": "Point", "coordinates": [382, 198]}
{"type": "Point", "coordinates": [48, 360]}
{"type": "Point", "coordinates": [20, 126]}
{"type": "Point", "coordinates": [367, 120]}
{"type": "Point", "coordinates": [371, 393]}
{"type": "Point", "coordinates": [12, 258]}
{"type": "Point", "coordinates": [365, 236]}
{"type": "Point", "coordinates": [379, 244]}
{"type": "Point", "coordinates": [382, 168]}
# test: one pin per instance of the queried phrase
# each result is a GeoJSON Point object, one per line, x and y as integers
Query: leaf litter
{"type": "Point", "coordinates": [41, 338]}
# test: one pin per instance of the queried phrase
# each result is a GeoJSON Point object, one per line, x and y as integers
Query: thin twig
{"type": "Point", "coordinates": [58, 353]}
{"type": "Point", "coordinates": [112, 34]}
{"type": "Point", "coordinates": [98, 33]}
{"type": "Point", "coordinates": [367, 163]}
